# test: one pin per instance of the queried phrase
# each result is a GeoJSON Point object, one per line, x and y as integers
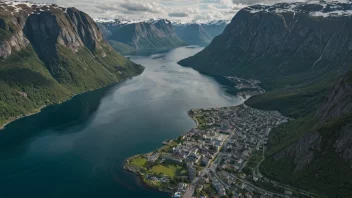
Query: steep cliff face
{"type": "Point", "coordinates": [143, 36]}
{"type": "Point", "coordinates": [339, 101]}
{"type": "Point", "coordinates": [48, 53]}
{"type": "Point", "coordinates": [282, 40]}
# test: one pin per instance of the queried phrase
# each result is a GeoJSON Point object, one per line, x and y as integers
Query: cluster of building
{"type": "Point", "coordinates": [225, 143]}
{"type": "Point", "coordinates": [246, 87]}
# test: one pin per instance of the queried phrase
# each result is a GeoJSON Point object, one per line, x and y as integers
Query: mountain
{"type": "Point", "coordinates": [214, 28]}
{"type": "Point", "coordinates": [199, 34]}
{"type": "Point", "coordinates": [315, 152]}
{"type": "Point", "coordinates": [193, 34]}
{"type": "Point", "coordinates": [283, 40]}
{"type": "Point", "coordinates": [302, 54]}
{"type": "Point", "coordinates": [48, 54]}
{"type": "Point", "coordinates": [151, 35]}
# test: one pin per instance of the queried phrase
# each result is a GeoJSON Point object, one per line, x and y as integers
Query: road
{"type": "Point", "coordinates": [190, 191]}
{"type": "Point", "coordinates": [286, 187]}
{"type": "Point", "coordinates": [255, 187]}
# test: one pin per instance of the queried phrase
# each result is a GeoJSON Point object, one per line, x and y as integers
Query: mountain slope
{"type": "Point", "coordinates": [199, 34]}
{"type": "Point", "coordinates": [49, 53]}
{"type": "Point", "coordinates": [315, 152]}
{"type": "Point", "coordinates": [214, 28]}
{"type": "Point", "coordinates": [193, 34]}
{"type": "Point", "coordinates": [290, 41]}
{"type": "Point", "coordinates": [143, 36]}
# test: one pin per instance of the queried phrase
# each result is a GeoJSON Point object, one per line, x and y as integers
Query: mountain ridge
{"type": "Point", "coordinates": [50, 53]}
{"type": "Point", "coordinates": [148, 35]}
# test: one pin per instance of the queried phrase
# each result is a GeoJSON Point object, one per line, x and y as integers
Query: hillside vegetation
{"type": "Point", "coordinates": [43, 66]}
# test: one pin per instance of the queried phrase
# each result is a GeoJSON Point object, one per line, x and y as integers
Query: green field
{"type": "Point", "coordinates": [138, 161]}
{"type": "Point", "coordinates": [169, 170]}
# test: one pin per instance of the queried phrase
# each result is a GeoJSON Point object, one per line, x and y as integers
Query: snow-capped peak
{"type": "Point", "coordinates": [14, 7]}
{"type": "Point", "coordinates": [318, 8]}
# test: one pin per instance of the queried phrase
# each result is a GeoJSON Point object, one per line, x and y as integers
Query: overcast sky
{"type": "Point", "coordinates": [181, 10]}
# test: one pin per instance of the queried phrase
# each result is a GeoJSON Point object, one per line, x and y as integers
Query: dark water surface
{"type": "Point", "coordinates": [77, 149]}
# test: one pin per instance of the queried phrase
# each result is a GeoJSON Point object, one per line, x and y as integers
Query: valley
{"type": "Point", "coordinates": [141, 36]}
{"type": "Point", "coordinates": [188, 105]}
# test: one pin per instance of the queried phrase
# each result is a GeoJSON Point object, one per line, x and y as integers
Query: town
{"type": "Point", "coordinates": [219, 158]}
{"type": "Point", "coordinates": [246, 87]}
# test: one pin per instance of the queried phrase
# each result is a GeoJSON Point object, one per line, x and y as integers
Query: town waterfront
{"type": "Point", "coordinates": [78, 148]}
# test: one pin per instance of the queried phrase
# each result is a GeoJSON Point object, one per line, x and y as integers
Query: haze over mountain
{"type": "Point", "coordinates": [302, 53]}
{"type": "Point", "coordinates": [200, 34]}
{"type": "Point", "coordinates": [50, 53]}
{"type": "Point", "coordinates": [151, 35]}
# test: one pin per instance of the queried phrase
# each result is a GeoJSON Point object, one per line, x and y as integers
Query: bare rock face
{"type": "Point", "coordinates": [343, 144]}
{"type": "Point", "coordinates": [15, 43]}
{"type": "Point", "coordinates": [303, 151]}
{"type": "Point", "coordinates": [144, 35]}
{"type": "Point", "coordinates": [334, 112]}
{"type": "Point", "coordinates": [44, 26]}
{"type": "Point", "coordinates": [338, 102]}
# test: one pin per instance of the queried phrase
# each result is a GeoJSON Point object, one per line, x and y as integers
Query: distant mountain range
{"type": "Point", "coordinates": [302, 53]}
{"type": "Point", "coordinates": [200, 34]}
{"type": "Point", "coordinates": [50, 53]}
{"type": "Point", "coordinates": [157, 34]}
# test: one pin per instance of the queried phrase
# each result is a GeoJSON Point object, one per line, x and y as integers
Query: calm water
{"type": "Point", "coordinates": [77, 149]}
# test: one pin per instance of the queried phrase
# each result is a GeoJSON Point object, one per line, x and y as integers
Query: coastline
{"type": "Point", "coordinates": [136, 170]}
{"type": "Point", "coordinates": [35, 111]}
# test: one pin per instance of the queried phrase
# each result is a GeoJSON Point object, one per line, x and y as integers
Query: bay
{"type": "Point", "coordinates": [77, 148]}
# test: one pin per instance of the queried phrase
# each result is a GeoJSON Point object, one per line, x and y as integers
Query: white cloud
{"type": "Point", "coordinates": [185, 10]}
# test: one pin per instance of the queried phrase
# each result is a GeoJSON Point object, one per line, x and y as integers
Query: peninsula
{"type": "Point", "coordinates": [220, 157]}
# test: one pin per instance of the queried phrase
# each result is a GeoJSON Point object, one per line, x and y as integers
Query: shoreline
{"type": "Point", "coordinates": [136, 170]}
{"type": "Point", "coordinates": [140, 178]}
{"type": "Point", "coordinates": [36, 111]}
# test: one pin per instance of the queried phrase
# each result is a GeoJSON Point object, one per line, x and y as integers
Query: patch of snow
{"type": "Point", "coordinates": [324, 8]}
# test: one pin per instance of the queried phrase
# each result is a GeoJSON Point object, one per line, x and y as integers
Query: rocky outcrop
{"type": "Point", "coordinates": [303, 151]}
{"type": "Point", "coordinates": [339, 101]}
{"type": "Point", "coordinates": [15, 43]}
{"type": "Point", "coordinates": [69, 27]}
{"type": "Point", "coordinates": [343, 144]}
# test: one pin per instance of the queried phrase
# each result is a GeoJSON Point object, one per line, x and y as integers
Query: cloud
{"type": "Point", "coordinates": [178, 14]}
{"type": "Point", "coordinates": [141, 6]}
{"type": "Point", "coordinates": [181, 10]}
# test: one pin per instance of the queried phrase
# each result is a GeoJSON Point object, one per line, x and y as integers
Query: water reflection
{"type": "Point", "coordinates": [77, 149]}
{"type": "Point", "coordinates": [79, 111]}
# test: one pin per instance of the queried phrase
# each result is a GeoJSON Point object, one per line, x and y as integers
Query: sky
{"type": "Point", "coordinates": [175, 10]}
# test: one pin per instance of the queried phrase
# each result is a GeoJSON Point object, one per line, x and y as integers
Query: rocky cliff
{"type": "Point", "coordinates": [283, 40]}
{"type": "Point", "coordinates": [320, 157]}
{"type": "Point", "coordinates": [152, 35]}
{"type": "Point", "coordinates": [49, 53]}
